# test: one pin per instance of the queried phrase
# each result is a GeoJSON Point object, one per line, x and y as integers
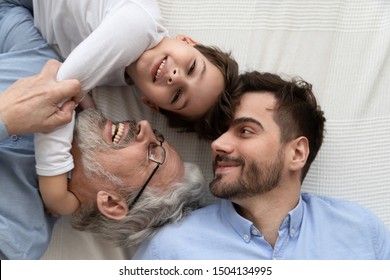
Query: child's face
{"type": "Point", "coordinates": [177, 77]}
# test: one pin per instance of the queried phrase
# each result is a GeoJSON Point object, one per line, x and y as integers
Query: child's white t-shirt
{"type": "Point", "coordinates": [98, 39]}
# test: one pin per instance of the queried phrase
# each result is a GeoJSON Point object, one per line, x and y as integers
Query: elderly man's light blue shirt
{"type": "Point", "coordinates": [25, 228]}
{"type": "Point", "coordinates": [317, 228]}
{"type": "Point", "coordinates": [3, 131]}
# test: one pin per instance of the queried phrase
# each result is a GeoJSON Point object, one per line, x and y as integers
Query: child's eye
{"type": "Point", "coordinates": [192, 68]}
{"type": "Point", "coordinates": [176, 96]}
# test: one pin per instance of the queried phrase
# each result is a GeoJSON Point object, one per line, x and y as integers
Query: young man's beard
{"type": "Point", "coordinates": [255, 178]}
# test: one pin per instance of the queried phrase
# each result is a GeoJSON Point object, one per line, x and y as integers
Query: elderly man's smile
{"type": "Point", "coordinates": [116, 131]}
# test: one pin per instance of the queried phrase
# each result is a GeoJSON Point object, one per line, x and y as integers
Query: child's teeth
{"type": "Point", "coordinates": [159, 69]}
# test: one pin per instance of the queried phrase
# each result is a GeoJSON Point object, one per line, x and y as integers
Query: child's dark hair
{"type": "Point", "coordinates": [211, 124]}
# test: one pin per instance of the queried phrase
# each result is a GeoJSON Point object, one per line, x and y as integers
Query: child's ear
{"type": "Point", "coordinates": [111, 206]}
{"type": "Point", "coordinates": [149, 103]}
{"type": "Point", "coordinates": [186, 39]}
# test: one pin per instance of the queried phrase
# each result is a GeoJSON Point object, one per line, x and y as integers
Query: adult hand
{"type": "Point", "coordinates": [31, 104]}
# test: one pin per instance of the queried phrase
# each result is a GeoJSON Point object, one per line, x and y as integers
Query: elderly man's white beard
{"type": "Point", "coordinates": [88, 135]}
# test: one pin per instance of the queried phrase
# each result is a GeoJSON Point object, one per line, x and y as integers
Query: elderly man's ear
{"type": "Point", "coordinates": [111, 205]}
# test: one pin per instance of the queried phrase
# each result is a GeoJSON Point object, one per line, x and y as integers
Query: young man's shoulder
{"type": "Point", "coordinates": [197, 218]}
{"type": "Point", "coordinates": [339, 208]}
{"type": "Point", "coordinates": [315, 199]}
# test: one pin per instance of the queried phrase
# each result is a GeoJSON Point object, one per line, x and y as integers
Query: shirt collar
{"type": "Point", "coordinates": [241, 225]}
{"type": "Point", "coordinates": [245, 228]}
{"type": "Point", "coordinates": [293, 220]}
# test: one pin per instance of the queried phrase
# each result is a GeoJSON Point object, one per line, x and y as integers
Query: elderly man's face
{"type": "Point", "coordinates": [121, 153]}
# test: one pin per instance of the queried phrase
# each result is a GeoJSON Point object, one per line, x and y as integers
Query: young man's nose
{"type": "Point", "coordinates": [222, 145]}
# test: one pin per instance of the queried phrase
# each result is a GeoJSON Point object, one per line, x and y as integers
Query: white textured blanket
{"type": "Point", "coordinates": [341, 47]}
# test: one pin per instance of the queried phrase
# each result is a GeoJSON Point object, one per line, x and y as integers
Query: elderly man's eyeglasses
{"type": "Point", "coordinates": [156, 153]}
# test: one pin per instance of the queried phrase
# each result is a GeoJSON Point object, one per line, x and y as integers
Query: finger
{"type": "Point", "coordinates": [79, 94]}
{"type": "Point", "coordinates": [51, 68]}
{"type": "Point", "coordinates": [66, 111]}
{"type": "Point", "coordinates": [69, 89]}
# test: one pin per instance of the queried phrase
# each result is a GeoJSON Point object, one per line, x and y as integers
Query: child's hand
{"type": "Point", "coordinates": [52, 212]}
{"type": "Point", "coordinates": [87, 102]}
{"type": "Point", "coordinates": [56, 197]}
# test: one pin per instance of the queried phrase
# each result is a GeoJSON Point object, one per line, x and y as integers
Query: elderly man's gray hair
{"type": "Point", "coordinates": [150, 212]}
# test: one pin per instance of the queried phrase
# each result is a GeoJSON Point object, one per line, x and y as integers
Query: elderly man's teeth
{"type": "Point", "coordinates": [160, 69]}
{"type": "Point", "coordinates": [117, 132]}
{"type": "Point", "coordinates": [113, 129]}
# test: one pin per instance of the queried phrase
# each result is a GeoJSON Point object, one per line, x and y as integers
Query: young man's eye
{"type": "Point", "coordinates": [192, 68]}
{"type": "Point", "coordinates": [176, 96]}
{"type": "Point", "coordinates": [246, 131]}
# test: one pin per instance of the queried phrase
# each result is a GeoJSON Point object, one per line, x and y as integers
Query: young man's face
{"type": "Point", "coordinates": [177, 77]}
{"type": "Point", "coordinates": [127, 159]}
{"type": "Point", "coordinates": [249, 157]}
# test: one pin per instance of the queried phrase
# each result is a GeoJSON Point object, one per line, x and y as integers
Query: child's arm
{"type": "Point", "coordinates": [125, 32]}
{"type": "Point", "coordinates": [53, 161]}
{"type": "Point", "coordinates": [55, 195]}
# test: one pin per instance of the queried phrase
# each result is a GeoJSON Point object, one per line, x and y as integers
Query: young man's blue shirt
{"type": "Point", "coordinates": [317, 228]}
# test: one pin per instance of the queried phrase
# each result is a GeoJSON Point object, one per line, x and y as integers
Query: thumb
{"type": "Point", "coordinates": [51, 68]}
{"type": "Point", "coordinates": [64, 114]}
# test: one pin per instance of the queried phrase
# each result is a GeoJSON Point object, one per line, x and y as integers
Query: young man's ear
{"type": "Point", "coordinates": [186, 39]}
{"type": "Point", "coordinates": [299, 152]}
{"type": "Point", "coordinates": [149, 103]}
{"type": "Point", "coordinates": [111, 206]}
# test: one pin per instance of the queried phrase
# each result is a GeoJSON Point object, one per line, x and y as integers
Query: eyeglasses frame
{"type": "Point", "coordinates": [161, 140]}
